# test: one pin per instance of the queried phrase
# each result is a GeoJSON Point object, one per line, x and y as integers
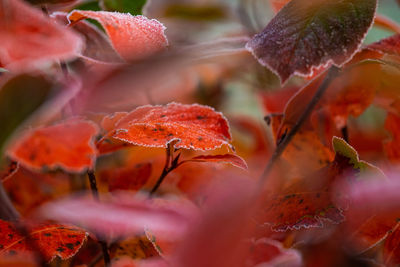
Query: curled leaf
{"type": "Point", "coordinates": [133, 37]}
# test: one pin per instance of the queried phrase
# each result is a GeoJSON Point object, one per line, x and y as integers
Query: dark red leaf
{"type": "Point", "coordinates": [306, 34]}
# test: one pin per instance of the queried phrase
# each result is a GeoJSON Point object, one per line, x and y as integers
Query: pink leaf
{"type": "Point", "coordinates": [123, 214]}
{"type": "Point", "coordinates": [29, 38]}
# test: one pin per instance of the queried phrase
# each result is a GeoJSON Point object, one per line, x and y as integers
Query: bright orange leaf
{"type": "Point", "coordinates": [52, 240]}
{"type": "Point", "coordinates": [196, 127]}
{"type": "Point", "coordinates": [133, 37]}
{"type": "Point", "coordinates": [29, 38]}
{"type": "Point", "coordinates": [67, 145]}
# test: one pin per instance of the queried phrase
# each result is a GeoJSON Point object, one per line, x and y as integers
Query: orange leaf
{"type": "Point", "coordinates": [133, 37]}
{"type": "Point", "coordinates": [28, 37]}
{"type": "Point", "coordinates": [68, 145]}
{"type": "Point", "coordinates": [232, 159]}
{"type": "Point", "coordinates": [52, 239]}
{"type": "Point", "coordinates": [196, 127]}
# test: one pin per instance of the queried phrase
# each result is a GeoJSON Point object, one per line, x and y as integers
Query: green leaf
{"type": "Point", "coordinates": [126, 6]}
{"type": "Point", "coordinates": [343, 149]}
{"type": "Point", "coordinates": [19, 98]}
{"type": "Point", "coordinates": [307, 34]}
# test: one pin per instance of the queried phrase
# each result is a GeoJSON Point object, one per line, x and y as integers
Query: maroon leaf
{"type": "Point", "coordinates": [306, 34]}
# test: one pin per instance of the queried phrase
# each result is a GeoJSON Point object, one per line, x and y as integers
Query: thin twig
{"type": "Point", "coordinates": [333, 71]}
{"type": "Point", "coordinates": [95, 193]}
{"type": "Point", "coordinates": [167, 169]}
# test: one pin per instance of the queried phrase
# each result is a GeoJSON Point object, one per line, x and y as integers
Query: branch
{"type": "Point", "coordinates": [171, 164]}
{"type": "Point", "coordinates": [332, 73]}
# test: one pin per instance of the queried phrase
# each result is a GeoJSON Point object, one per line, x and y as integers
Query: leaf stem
{"type": "Point", "coordinates": [95, 193]}
{"type": "Point", "coordinates": [171, 163]}
{"type": "Point", "coordinates": [332, 73]}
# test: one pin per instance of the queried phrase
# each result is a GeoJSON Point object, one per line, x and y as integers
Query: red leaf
{"type": "Point", "coordinates": [195, 126]}
{"type": "Point", "coordinates": [235, 160]}
{"type": "Point", "coordinates": [307, 34]}
{"type": "Point", "coordinates": [97, 45]}
{"type": "Point", "coordinates": [52, 239]}
{"type": "Point", "coordinates": [68, 145]}
{"type": "Point", "coordinates": [29, 38]}
{"type": "Point", "coordinates": [308, 202]}
{"type": "Point", "coordinates": [123, 215]}
{"type": "Point", "coordinates": [133, 37]}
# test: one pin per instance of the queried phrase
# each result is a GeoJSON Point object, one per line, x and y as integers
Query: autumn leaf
{"type": "Point", "coordinates": [196, 127]}
{"type": "Point", "coordinates": [307, 34]}
{"type": "Point", "coordinates": [67, 145]}
{"type": "Point", "coordinates": [123, 214]}
{"type": "Point", "coordinates": [52, 240]}
{"type": "Point", "coordinates": [29, 38]}
{"type": "Point", "coordinates": [133, 37]}
{"type": "Point", "coordinates": [308, 201]}
{"type": "Point", "coordinates": [97, 45]}
{"type": "Point", "coordinates": [226, 158]}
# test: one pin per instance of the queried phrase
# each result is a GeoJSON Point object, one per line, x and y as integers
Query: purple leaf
{"type": "Point", "coordinates": [306, 34]}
